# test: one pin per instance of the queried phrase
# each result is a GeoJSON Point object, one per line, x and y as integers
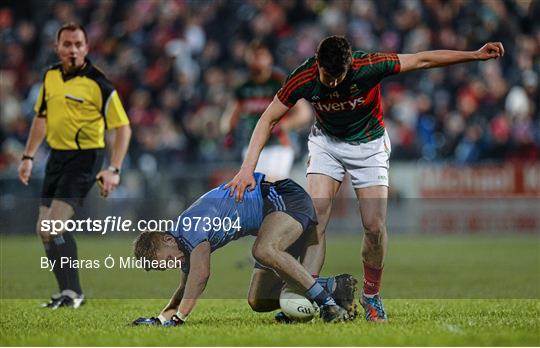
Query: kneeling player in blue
{"type": "Point", "coordinates": [281, 216]}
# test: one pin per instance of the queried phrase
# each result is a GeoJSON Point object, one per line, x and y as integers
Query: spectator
{"type": "Point", "coordinates": [156, 52]}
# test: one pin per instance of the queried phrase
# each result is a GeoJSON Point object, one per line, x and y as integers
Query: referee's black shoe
{"type": "Point", "coordinates": [54, 302]}
{"type": "Point", "coordinates": [67, 298]}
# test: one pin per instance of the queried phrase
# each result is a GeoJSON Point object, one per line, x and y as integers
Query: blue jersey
{"type": "Point", "coordinates": [218, 218]}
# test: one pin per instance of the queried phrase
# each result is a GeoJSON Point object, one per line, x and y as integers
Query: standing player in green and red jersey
{"type": "Point", "coordinates": [348, 136]}
{"type": "Point", "coordinates": [251, 98]}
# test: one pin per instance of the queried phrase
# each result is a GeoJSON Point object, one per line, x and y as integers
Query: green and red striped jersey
{"type": "Point", "coordinates": [254, 97]}
{"type": "Point", "coordinates": [352, 111]}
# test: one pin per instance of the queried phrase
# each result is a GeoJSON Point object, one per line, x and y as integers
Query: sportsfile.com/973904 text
{"type": "Point", "coordinates": [119, 224]}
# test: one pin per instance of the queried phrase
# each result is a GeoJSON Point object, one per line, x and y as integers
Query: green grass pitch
{"type": "Point", "coordinates": [438, 290]}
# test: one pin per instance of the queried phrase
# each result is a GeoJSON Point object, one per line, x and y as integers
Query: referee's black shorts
{"type": "Point", "coordinates": [70, 174]}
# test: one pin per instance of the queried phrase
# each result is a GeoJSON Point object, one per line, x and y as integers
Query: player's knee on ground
{"type": "Point", "coordinates": [263, 305]}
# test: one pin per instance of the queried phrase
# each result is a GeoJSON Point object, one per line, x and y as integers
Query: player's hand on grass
{"type": "Point", "coordinates": [242, 181]}
{"type": "Point", "coordinates": [491, 50]}
{"type": "Point", "coordinates": [25, 170]}
{"type": "Point", "coordinates": [174, 321]}
{"type": "Point", "coordinates": [107, 181]}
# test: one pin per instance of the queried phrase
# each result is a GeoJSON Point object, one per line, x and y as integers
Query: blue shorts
{"type": "Point", "coordinates": [289, 197]}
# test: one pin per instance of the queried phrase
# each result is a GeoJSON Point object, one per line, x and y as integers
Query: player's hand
{"type": "Point", "coordinates": [491, 50]}
{"type": "Point", "coordinates": [146, 321]}
{"type": "Point", "coordinates": [242, 181]}
{"type": "Point", "coordinates": [174, 321]}
{"type": "Point", "coordinates": [25, 170]}
{"type": "Point", "coordinates": [107, 181]}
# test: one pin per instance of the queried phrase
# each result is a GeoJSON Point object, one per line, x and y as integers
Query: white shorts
{"type": "Point", "coordinates": [275, 161]}
{"type": "Point", "coordinates": [366, 163]}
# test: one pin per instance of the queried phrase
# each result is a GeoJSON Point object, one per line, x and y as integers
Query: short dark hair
{"type": "Point", "coordinates": [71, 26]}
{"type": "Point", "coordinates": [334, 54]}
{"type": "Point", "coordinates": [147, 244]}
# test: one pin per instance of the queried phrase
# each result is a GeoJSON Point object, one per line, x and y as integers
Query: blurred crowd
{"type": "Point", "coordinates": [175, 64]}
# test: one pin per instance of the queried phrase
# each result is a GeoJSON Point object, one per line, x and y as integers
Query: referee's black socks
{"type": "Point", "coordinates": [67, 247]}
{"type": "Point", "coordinates": [52, 254]}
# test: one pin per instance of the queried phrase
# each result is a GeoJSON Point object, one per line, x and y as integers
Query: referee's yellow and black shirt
{"type": "Point", "coordinates": [78, 107]}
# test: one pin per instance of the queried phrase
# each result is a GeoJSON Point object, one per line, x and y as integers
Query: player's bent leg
{"type": "Point", "coordinates": [342, 287]}
{"type": "Point", "coordinates": [276, 234]}
{"type": "Point", "coordinates": [373, 205]}
{"type": "Point", "coordinates": [264, 290]}
{"type": "Point", "coordinates": [322, 189]}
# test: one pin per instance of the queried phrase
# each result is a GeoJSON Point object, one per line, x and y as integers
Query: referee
{"type": "Point", "coordinates": [75, 106]}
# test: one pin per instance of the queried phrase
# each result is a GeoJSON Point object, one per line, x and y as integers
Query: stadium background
{"type": "Point", "coordinates": [176, 63]}
{"type": "Point", "coordinates": [465, 139]}
{"type": "Point", "coordinates": [465, 173]}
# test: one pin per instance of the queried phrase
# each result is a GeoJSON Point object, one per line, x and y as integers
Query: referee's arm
{"type": "Point", "coordinates": [110, 179]}
{"type": "Point", "coordinates": [38, 131]}
{"type": "Point", "coordinates": [118, 123]}
{"type": "Point", "coordinates": [121, 144]}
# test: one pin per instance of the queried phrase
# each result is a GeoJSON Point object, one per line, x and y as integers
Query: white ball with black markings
{"type": "Point", "coordinates": [297, 307]}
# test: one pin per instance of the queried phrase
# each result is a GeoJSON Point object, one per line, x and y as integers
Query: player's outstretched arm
{"type": "Point", "coordinates": [38, 131]}
{"type": "Point", "coordinates": [168, 316]}
{"type": "Point", "coordinates": [439, 58]}
{"type": "Point", "coordinates": [199, 272]}
{"type": "Point", "coordinates": [244, 179]}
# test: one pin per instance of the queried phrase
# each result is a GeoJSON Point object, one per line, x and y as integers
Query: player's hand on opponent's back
{"type": "Point", "coordinates": [491, 50]}
{"type": "Point", "coordinates": [107, 181]}
{"type": "Point", "coordinates": [243, 180]}
{"type": "Point", "coordinates": [25, 170]}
